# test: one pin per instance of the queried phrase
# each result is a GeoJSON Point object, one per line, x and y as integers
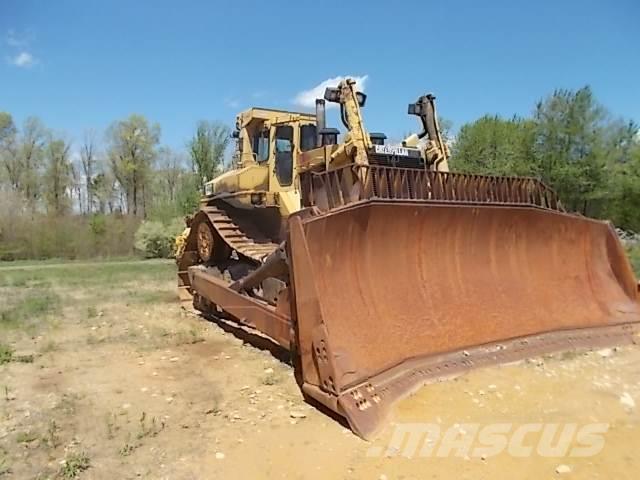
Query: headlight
{"type": "Point", "coordinates": [332, 95]}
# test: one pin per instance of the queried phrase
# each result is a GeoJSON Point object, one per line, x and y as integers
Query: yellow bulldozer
{"type": "Point", "coordinates": [380, 270]}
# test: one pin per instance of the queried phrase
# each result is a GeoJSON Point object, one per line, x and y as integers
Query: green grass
{"type": "Point", "coordinates": [74, 465]}
{"type": "Point", "coordinates": [26, 437]}
{"type": "Point", "coordinates": [634, 256]}
{"type": "Point", "coordinates": [64, 261]}
{"type": "Point", "coordinates": [152, 296]}
{"type": "Point", "coordinates": [85, 275]}
{"type": "Point", "coordinates": [30, 310]}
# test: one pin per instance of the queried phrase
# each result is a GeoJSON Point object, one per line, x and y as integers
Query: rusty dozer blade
{"type": "Point", "coordinates": [390, 295]}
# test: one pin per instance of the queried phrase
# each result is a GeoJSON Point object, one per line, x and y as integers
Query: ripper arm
{"type": "Point", "coordinates": [435, 151]}
{"type": "Point", "coordinates": [357, 140]}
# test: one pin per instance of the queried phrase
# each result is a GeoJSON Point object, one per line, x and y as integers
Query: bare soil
{"type": "Point", "coordinates": [110, 378]}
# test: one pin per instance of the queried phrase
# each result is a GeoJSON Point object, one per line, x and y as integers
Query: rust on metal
{"type": "Point", "coordinates": [219, 231]}
{"type": "Point", "coordinates": [368, 404]}
{"type": "Point", "coordinates": [337, 188]}
{"type": "Point", "coordinates": [378, 284]}
{"type": "Point", "coordinates": [240, 236]}
{"type": "Point", "coordinates": [245, 310]}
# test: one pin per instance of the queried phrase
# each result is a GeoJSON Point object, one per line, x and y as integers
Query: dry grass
{"type": "Point", "coordinates": [52, 313]}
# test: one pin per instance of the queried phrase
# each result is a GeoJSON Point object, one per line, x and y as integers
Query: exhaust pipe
{"type": "Point", "coordinates": [321, 120]}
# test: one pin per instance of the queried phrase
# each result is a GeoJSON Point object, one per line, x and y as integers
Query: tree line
{"type": "Point", "coordinates": [129, 172]}
{"type": "Point", "coordinates": [572, 143]}
{"type": "Point", "coordinates": [99, 187]}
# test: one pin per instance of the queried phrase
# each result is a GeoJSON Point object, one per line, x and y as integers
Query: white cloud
{"type": "Point", "coordinates": [307, 98]}
{"type": "Point", "coordinates": [23, 60]}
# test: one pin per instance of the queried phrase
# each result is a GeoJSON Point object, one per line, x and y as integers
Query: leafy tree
{"type": "Point", "coordinates": [623, 189]}
{"type": "Point", "coordinates": [31, 154]}
{"type": "Point", "coordinates": [571, 145]}
{"type": "Point", "coordinates": [8, 149]}
{"type": "Point", "coordinates": [492, 145]}
{"type": "Point", "coordinates": [58, 176]}
{"type": "Point", "coordinates": [207, 148]}
{"type": "Point", "coordinates": [188, 194]}
{"type": "Point", "coordinates": [7, 127]}
{"type": "Point", "coordinates": [21, 155]}
{"type": "Point", "coordinates": [131, 150]}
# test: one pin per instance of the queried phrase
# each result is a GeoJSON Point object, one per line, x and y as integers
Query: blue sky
{"type": "Point", "coordinates": [84, 64]}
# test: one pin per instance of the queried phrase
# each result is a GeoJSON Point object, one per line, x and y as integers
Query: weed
{"type": "Point", "coordinates": [6, 353]}
{"type": "Point", "coordinates": [127, 449]}
{"type": "Point", "coordinates": [216, 402]}
{"type": "Point", "coordinates": [110, 421]}
{"type": "Point", "coordinates": [26, 437]}
{"type": "Point", "coordinates": [92, 312]}
{"type": "Point", "coordinates": [52, 439]}
{"type": "Point", "coordinates": [187, 337]}
{"type": "Point", "coordinates": [149, 430]}
{"type": "Point", "coordinates": [24, 358]}
{"type": "Point", "coordinates": [6, 393]}
{"type": "Point", "coordinates": [271, 379]}
{"type": "Point", "coordinates": [4, 467]}
{"type": "Point", "coordinates": [73, 465]}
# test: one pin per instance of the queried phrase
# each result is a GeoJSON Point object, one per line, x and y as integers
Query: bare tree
{"type": "Point", "coordinates": [168, 170]}
{"type": "Point", "coordinates": [77, 186]}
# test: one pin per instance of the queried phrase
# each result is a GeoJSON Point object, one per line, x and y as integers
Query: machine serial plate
{"type": "Point", "coordinates": [392, 150]}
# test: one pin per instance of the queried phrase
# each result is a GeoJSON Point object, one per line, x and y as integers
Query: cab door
{"type": "Point", "coordinates": [284, 150]}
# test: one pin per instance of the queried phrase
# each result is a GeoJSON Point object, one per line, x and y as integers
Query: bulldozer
{"type": "Point", "coordinates": [380, 270]}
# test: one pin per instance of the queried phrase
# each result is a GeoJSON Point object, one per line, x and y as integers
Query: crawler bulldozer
{"type": "Point", "coordinates": [380, 270]}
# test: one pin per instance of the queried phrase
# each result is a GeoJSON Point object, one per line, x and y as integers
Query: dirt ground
{"type": "Point", "coordinates": [103, 376]}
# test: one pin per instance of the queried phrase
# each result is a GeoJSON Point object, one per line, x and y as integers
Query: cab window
{"type": "Point", "coordinates": [284, 155]}
{"type": "Point", "coordinates": [308, 135]}
{"type": "Point", "coordinates": [261, 146]}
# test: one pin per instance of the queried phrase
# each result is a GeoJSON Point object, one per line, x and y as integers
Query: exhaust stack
{"type": "Point", "coordinates": [321, 120]}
